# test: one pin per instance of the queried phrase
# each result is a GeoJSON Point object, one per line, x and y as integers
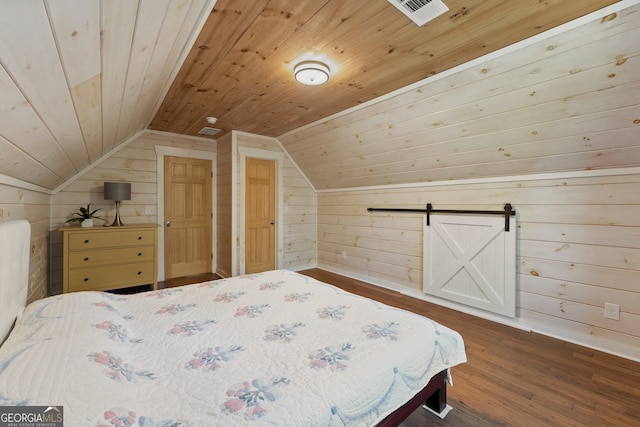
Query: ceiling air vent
{"type": "Point", "coordinates": [420, 11]}
{"type": "Point", "coordinates": [208, 131]}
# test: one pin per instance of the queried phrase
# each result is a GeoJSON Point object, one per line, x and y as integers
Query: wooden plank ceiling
{"type": "Point", "coordinates": [240, 68]}
{"type": "Point", "coordinates": [79, 78]}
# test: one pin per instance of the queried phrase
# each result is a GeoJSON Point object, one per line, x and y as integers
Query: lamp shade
{"type": "Point", "coordinates": [117, 191]}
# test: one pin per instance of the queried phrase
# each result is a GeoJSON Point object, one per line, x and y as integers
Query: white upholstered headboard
{"type": "Point", "coordinates": [14, 271]}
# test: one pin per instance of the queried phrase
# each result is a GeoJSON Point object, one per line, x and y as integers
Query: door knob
{"type": "Point", "coordinates": [168, 223]}
{"type": "Point", "coordinates": [273, 221]}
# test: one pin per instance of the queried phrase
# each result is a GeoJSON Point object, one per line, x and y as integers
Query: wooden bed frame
{"type": "Point", "coordinates": [434, 395]}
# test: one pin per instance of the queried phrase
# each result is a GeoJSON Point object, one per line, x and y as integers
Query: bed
{"type": "Point", "coordinates": [275, 348]}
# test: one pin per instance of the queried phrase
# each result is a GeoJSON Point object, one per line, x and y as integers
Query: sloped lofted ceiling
{"type": "Point", "coordinates": [240, 69]}
{"type": "Point", "coordinates": [79, 78]}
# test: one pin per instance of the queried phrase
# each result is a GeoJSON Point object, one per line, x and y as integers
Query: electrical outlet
{"type": "Point", "coordinates": [611, 311]}
{"type": "Point", "coordinates": [344, 255]}
{"type": "Point", "coordinates": [149, 210]}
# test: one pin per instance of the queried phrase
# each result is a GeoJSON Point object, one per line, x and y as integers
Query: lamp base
{"type": "Point", "coordinates": [117, 221]}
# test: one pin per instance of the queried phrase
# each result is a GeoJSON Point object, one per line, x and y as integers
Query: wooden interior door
{"type": "Point", "coordinates": [188, 216]}
{"type": "Point", "coordinates": [260, 215]}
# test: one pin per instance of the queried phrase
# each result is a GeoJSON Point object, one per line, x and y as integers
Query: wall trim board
{"type": "Point", "coordinates": [497, 179]}
{"type": "Point", "coordinates": [598, 14]}
{"type": "Point", "coordinates": [309, 183]}
{"type": "Point", "coordinates": [594, 344]}
{"type": "Point", "coordinates": [172, 135]}
{"type": "Point", "coordinates": [234, 203]}
{"type": "Point", "coordinates": [95, 164]}
{"type": "Point", "coordinates": [18, 183]}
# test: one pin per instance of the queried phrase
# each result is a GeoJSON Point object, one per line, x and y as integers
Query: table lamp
{"type": "Point", "coordinates": [117, 191]}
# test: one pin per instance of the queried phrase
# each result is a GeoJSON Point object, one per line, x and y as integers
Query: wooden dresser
{"type": "Point", "coordinates": [105, 258]}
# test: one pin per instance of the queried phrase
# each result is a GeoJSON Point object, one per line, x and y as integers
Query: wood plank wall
{"type": "Point", "coordinates": [578, 246]}
{"type": "Point", "coordinates": [224, 210]}
{"type": "Point", "coordinates": [135, 163]}
{"type": "Point", "coordinates": [299, 206]}
{"type": "Point", "coordinates": [564, 107]}
{"type": "Point", "coordinates": [33, 206]}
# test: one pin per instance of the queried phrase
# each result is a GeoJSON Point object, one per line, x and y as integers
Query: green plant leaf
{"type": "Point", "coordinates": [85, 213]}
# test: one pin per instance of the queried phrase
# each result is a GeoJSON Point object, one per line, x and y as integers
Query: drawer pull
{"type": "Point", "coordinates": [86, 279]}
{"type": "Point", "coordinates": [139, 237]}
{"type": "Point", "coordinates": [139, 253]}
{"type": "Point", "coordinates": [86, 241]}
{"type": "Point", "coordinates": [86, 259]}
{"type": "Point", "coordinates": [139, 273]}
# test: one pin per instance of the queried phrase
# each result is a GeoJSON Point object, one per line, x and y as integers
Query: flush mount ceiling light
{"type": "Point", "coordinates": [311, 73]}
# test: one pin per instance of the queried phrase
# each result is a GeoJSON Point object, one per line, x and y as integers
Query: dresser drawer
{"type": "Point", "coordinates": [97, 257]}
{"type": "Point", "coordinates": [113, 239]}
{"type": "Point", "coordinates": [111, 277]}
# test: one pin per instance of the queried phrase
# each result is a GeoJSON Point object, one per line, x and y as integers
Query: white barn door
{"type": "Point", "coordinates": [471, 260]}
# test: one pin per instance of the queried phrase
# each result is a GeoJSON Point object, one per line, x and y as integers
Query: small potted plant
{"type": "Point", "coordinates": [85, 216]}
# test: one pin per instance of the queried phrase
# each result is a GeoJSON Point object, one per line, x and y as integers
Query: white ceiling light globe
{"type": "Point", "coordinates": [311, 73]}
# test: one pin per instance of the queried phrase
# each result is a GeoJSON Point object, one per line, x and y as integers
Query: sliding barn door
{"type": "Point", "coordinates": [471, 260]}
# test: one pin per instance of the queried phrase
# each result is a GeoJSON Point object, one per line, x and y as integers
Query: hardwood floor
{"type": "Point", "coordinates": [179, 281]}
{"type": "Point", "coordinates": [516, 378]}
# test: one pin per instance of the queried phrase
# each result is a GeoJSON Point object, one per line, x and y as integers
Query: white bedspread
{"type": "Point", "coordinates": [275, 348]}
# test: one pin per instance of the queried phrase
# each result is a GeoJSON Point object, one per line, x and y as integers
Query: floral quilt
{"type": "Point", "coordinates": [273, 349]}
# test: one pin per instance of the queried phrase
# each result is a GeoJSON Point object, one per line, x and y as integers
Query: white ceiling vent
{"type": "Point", "coordinates": [208, 131]}
{"type": "Point", "coordinates": [420, 11]}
